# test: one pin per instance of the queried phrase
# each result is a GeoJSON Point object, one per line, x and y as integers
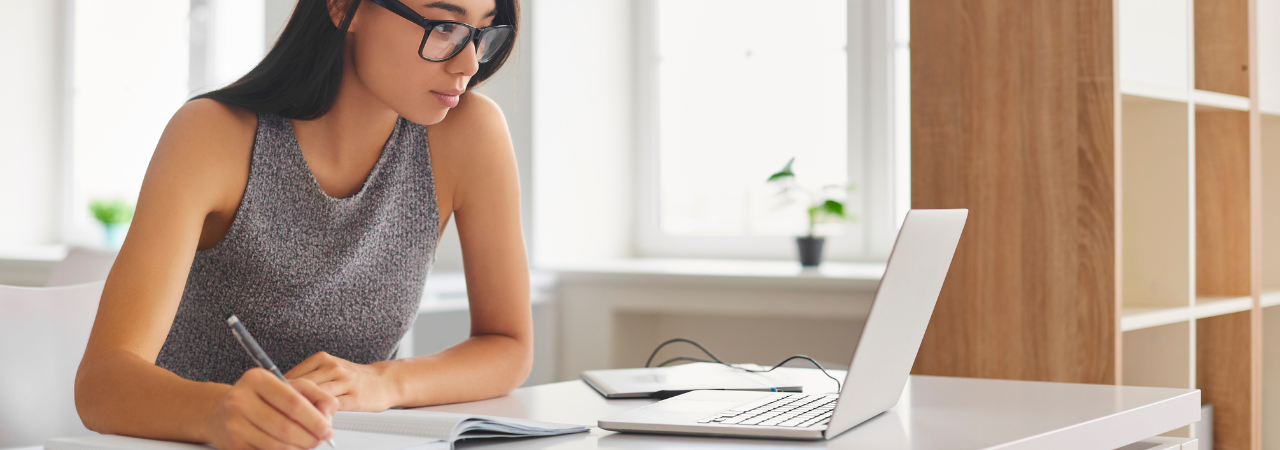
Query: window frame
{"type": "Point", "coordinates": [872, 153]}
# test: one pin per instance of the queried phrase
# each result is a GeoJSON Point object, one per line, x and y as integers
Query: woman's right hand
{"type": "Point", "coordinates": [261, 412]}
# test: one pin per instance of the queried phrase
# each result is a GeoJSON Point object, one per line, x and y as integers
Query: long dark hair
{"type": "Point", "coordinates": [299, 78]}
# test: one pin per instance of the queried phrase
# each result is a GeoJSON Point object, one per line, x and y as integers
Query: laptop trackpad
{"type": "Point", "coordinates": [707, 402]}
{"type": "Point", "coordinates": [691, 406]}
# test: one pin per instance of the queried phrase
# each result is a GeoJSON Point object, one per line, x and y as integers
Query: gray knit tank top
{"type": "Point", "coordinates": [306, 272]}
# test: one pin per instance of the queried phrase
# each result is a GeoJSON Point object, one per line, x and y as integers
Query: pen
{"type": "Point", "coordinates": [251, 345]}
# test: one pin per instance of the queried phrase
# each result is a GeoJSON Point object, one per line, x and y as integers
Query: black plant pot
{"type": "Point", "coordinates": [810, 250]}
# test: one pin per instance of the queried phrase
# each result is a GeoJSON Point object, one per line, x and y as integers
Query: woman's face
{"type": "Point", "coordinates": [384, 57]}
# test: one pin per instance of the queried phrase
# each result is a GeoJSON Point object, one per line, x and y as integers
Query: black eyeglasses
{"type": "Point", "coordinates": [444, 39]}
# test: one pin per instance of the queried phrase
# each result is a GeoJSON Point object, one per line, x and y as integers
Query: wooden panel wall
{"type": "Point", "coordinates": [1222, 46]}
{"type": "Point", "coordinates": [1228, 352]}
{"type": "Point", "coordinates": [1222, 203]}
{"type": "Point", "coordinates": [1223, 363]}
{"type": "Point", "coordinates": [1013, 116]}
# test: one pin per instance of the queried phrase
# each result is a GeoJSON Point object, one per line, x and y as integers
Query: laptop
{"type": "Point", "coordinates": [878, 373]}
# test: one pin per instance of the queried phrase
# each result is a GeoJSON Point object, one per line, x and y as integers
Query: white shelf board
{"type": "Point", "coordinates": [1219, 100]}
{"type": "Point", "coordinates": [1139, 317]}
{"type": "Point", "coordinates": [1270, 298]}
{"type": "Point", "coordinates": [1154, 91]}
{"type": "Point", "coordinates": [1217, 306]}
{"type": "Point", "coordinates": [1270, 110]}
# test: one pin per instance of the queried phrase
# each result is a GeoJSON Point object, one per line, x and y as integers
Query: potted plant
{"type": "Point", "coordinates": [114, 215]}
{"type": "Point", "coordinates": [824, 204]}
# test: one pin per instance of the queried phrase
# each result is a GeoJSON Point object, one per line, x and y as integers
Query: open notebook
{"type": "Point", "coordinates": [387, 430]}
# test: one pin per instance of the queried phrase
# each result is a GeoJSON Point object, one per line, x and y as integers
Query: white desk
{"type": "Point", "coordinates": [934, 413]}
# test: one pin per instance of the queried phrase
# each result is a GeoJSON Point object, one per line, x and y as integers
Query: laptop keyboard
{"type": "Point", "coordinates": [781, 410]}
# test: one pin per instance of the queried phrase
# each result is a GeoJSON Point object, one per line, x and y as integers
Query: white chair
{"type": "Point", "coordinates": [43, 333]}
{"type": "Point", "coordinates": [82, 265]}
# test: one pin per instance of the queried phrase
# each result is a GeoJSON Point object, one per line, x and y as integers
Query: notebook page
{"type": "Point", "coordinates": [490, 427]}
{"type": "Point", "coordinates": [434, 425]}
{"type": "Point", "coordinates": [348, 439]}
{"type": "Point", "coordinates": [447, 426]}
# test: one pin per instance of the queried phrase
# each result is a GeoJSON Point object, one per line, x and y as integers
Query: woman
{"type": "Point", "coordinates": [305, 199]}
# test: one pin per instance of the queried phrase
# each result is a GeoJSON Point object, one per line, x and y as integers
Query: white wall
{"type": "Point", "coordinates": [30, 121]}
{"type": "Point", "coordinates": [277, 14]}
{"type": "Point", "coordinates": [1269, 55]}
{"type": "Point", "coordinates": [582, 81]}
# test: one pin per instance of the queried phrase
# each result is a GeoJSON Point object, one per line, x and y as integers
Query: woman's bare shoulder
{"type": "Point", "coordinates": [207, 146]}
{"type": "Point", "coordinates": [209, 123]}
{"type": "Point", "coordinates": [477, 119]}
{"type": "Point", "coordinates": [471, 148]}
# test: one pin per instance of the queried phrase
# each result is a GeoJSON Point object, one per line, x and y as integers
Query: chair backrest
{"type": "Point", "coordinates": [82, 265]}
{"type": "Point", "coordinates": [43, 333]}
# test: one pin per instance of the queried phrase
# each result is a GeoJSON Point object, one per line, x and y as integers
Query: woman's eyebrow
{"type": "Point", "coordinates": [456, 9]}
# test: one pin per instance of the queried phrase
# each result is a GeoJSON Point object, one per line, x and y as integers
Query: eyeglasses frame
{"type": "Point", "coordinates": [402, 10]}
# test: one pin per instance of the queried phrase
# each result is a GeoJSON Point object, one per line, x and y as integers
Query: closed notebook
{"type": "Point", "coordinates": [387, 430]}
{"type": "Point", "coordinates": [663, 382]}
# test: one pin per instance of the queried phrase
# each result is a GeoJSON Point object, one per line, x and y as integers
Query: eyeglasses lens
{"type": "Point", "coordinates": [491, 42]}
{"type": "Point", "coordinates": [444, 40]}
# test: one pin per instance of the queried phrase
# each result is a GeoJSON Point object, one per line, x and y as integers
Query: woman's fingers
{"type": "Point", "coordinates": [305, 367]}
{"type": "Point", "coordinates": [322, 400]}
{"type": "Point", "coordinates": [294, 414]}
{"type": "Point", "coordinates": [268, 428]}
{"type": "Point", "coordinates": [252, 435]}
{"type": "Point", "coordinates": [324, 375]}
{"type": "Point", "coordinates": [318, 361]}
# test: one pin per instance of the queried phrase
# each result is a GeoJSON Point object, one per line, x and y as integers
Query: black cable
{"type": "Point", "coordinates": [717, 360]}
{"type": "Point", "coordinates": [695, 344]}
{"type": "Point", "coordinates": [682, 358]}
{"type": "Point", "coordinates": [815, 363]}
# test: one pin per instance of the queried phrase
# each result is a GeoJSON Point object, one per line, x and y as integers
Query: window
{"type": "Point", "coordinates": [736, 98]}
{"type": "Point", "coordinates": [133, 64]}
{"type": "Point", "coordinates": [730, 90]}
{"type": "Point", "coordinates": [128, 76]}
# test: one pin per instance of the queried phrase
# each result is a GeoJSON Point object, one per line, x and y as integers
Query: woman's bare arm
{"type": "Point", "coordinates": [476, 168]}
{"type": "Point", "coordinates": [198, 171]}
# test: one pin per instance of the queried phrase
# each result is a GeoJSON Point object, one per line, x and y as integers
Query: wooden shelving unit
{"type": "Point", "coordinates": [1121, 163]}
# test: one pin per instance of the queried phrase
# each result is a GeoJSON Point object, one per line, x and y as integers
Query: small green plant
{"type": "Point", "coordinates": [111, 212]}
{"type": "Point", "coordinates": [824, 204]}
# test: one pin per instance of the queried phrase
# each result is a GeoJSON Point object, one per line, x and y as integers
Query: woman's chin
{"type": "Point", "coordinates": [427, 116]}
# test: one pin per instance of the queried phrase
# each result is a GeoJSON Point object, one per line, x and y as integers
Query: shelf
{"type": "Point", "coordinates": [1270, 203]}
{"type": "Point", "coordinates": [1142, 317]}
{"type": "Point", "coordinates": [1270, 298]}
{"type": "Point", "coordinates": [1216, 100]}
{"type": "Point", "coordinates": [1270, 110]}
{"type": "Point", "coordinates": [1153, 91]}
{"type": "Point", "coordinates": [1158, 357]}
{"type": "Point", "coordinates": [1221, 34]}
{"type": "Point", "coordinates": [1222, 204]}
{"type": "Point", "coordinates": [1216, 306]}
{"type": "Point", "coordinates": [1156, 196]}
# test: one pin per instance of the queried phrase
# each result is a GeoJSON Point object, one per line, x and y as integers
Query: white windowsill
{"type": "Point", "coordinates": [716, 273]}
{"type": "Point", "coordinates": [447, 291]}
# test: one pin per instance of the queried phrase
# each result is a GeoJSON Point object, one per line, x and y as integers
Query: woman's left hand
{"type": "Point", "coordinates": [357, 387]}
